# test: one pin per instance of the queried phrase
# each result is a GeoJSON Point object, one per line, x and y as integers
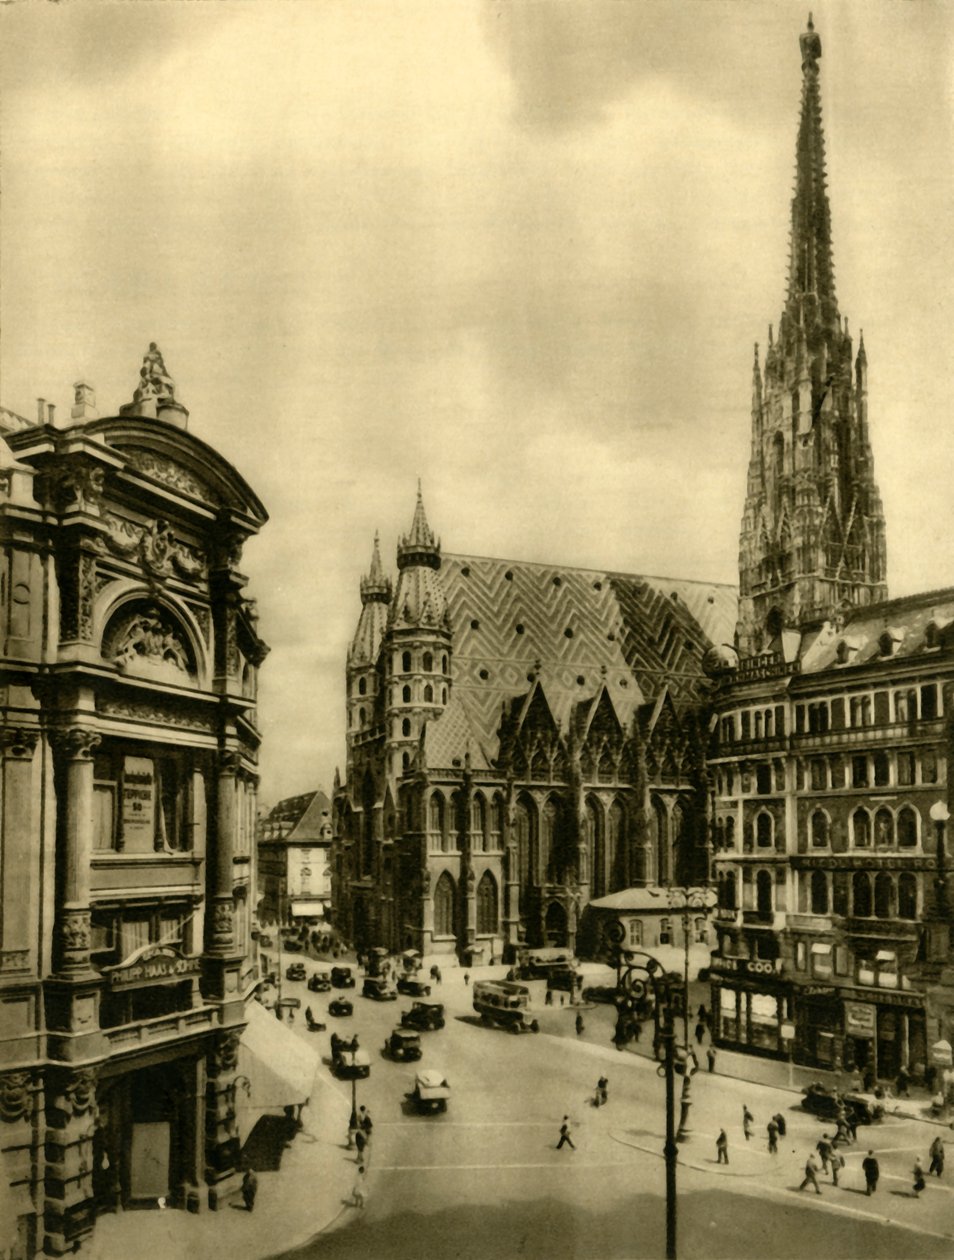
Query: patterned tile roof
{"type": "Point", "coordinates": [574, 629]}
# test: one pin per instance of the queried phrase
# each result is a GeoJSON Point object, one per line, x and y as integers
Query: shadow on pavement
{"type": "Point", "coordinates": [266, 1143]}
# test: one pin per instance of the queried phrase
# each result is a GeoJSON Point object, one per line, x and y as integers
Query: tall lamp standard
{"type": "Point", "coordinates": [643, 985]}
{"type": "Point", "coordinates": [686, 902]}
{"type": "Point", "coordinates": [939, 816]}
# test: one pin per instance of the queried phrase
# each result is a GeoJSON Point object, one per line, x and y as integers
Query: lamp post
{"type": "Point", "coordinates": [685, 902]}
{"type": "Point", "coordinates": [939, 816]}
{"type": "Point", "coordinates": [640, 976]}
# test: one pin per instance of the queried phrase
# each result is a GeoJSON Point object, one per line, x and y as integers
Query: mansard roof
{"type": "Point", "coordinates": [902, 625]}
{"type": "Point", "coordinates": [563, 634]}
{"type": "Point", "coordinates": [299, 819]}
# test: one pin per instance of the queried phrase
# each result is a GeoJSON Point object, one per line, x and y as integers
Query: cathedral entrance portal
{"type": "Point", "coordinates": [555, 926]}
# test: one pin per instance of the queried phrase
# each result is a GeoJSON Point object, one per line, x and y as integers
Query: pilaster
{"type": "Point", "coordinates": [69, 1210]}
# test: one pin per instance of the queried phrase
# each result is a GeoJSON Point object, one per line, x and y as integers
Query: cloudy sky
{"type": "Point", "coordinates": [520, 250]}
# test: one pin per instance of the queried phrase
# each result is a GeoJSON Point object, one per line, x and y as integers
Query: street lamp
{"type": "Point", "coordinates": [686, 901]}
{"type": "Point", "coordinates": [640, 975]}
{"type": "Point", "coordinates": [939, 816]}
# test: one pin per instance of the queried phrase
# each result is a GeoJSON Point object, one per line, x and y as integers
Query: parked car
{"type": "Point", "coordinates": [413, 986]}
{"type": "Point", "coordinates": [600, 993]}
{"type": "Point", "coordinates": [295, 971]}
{"type": "Point", "coordinates": [319, 982]}
{"type": "Point", "coordinates": [823, 1100]}
{"type": "Point", "coordinates": [424, 1015]}
{"type": "Point", "coordinates": [431, 1090]}
{"type": "Point", "coordinates": [347, 1064]}
{"type": "Point", "coordinates": [293, 945]}
{"type": "Point", "coordinates": [264, 940]}
{"type": "Point", "coordinates": [340, 1006]}
{"type": "Point", "coordinates": [403, 1045]}
{"type": "Point", "coordinates": [342, 977]}
{"type": "Point", "coordinates": [378, 988]}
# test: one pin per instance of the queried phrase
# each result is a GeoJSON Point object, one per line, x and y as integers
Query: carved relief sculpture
{"type": "Point", "coordinates": [148, 636]}
{"type": "Point", "coordinates": [16, 1096]}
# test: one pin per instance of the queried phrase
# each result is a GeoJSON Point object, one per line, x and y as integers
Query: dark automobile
{"type": "Point", "coordinates": [412, 986]}
{"type": "Point", "coordinates": [342, 977]}
{"type": "Point", "coordinates": [294, 946]}
{"type": "Point", "coordinates": [824, 1101]}
{"type": "Point", "coordinates": [319, 982]}
{"type": "Point", "coordinates": [431, 1091]}
{"type": "Point", "coordinates": [600, 993]}
{"type": "Point", "coordinates": [424, 1016]}
{"type": "Point", "coordinates": [295, 971]}
{"type": "Point", "coordinates": [340, 1006]}
{"type": "Point", "coordinates": [378, 988]}
{"type": "Point", "coordinates": [403, 1044]}
{"type": "Point", "coordinates": [265, 940]}
{"type": "Point", "coordinates": [347, 1063]}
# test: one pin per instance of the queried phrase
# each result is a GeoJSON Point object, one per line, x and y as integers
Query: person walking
{"type": "Point", "coordinates": [603, 1086]}
{"type": "Point", "coordinates": [824, 1149]}
{"type": "Point", "coordinates": [365, 1122]}
{"type": "Point", "coordinates": [466, 979]}
{"type": "Point", "coordinates": [358, 1189]}
{"type": "Point", "coordinates": [249, 1189]}
{"type": "Point", "coordinates": [548, 1000]}
{"type": "Point", "coordinates": [871, 1170]}
{"type": "Point", "coordinates": [722, 1148]}
{"type": "Point", "coordinates": [747, 1122]}
{"type": "Point", "coordinates": [565, 1138]}
{"type": "Point", "coordinates": [772, 1128]}
{"type": "Point", "coordinates": [917, 1174]}
{"type": "Point", "coordinates": [780, 1121]}
{"type": "Point", "coordinates": [837, 1163]}
{"type": "Point", "coordinates": [579, 1022]}
{"type": "Point", "coordinates": [700, 1032]}
{"type": "Point", "coordinates": [937, 1156]}
{"type": "Point", "coordinates": [360, 1142]}
{"type": "Point", "coordinates": [811, 1174]}
{"type": "Point", "coordinates": [902, 1082]}
{"type": "Point", "coordinates": [711, 1058]}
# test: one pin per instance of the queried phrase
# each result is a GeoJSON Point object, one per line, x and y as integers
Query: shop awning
{"type": "Point", "coordinates": [280, 1067]}
{"type": "Point", "coordinates": [820, 948]}
{"type": "Point", "coordinates": [886, 955]}
{"type": "Point", "coordinates": [308, 909]}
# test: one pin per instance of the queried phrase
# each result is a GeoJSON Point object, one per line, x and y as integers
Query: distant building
{"type": "Point", "coordinates": [128, 780]}
{"type": "Point", "coordinates": [294, 860]}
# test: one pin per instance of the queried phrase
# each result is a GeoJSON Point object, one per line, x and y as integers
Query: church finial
{"type": "Point", "coordinates": [155, 395]}
{"type": "Point", "coordinates": [419, 546]}
{"type": "Point", "coordinates": [376, 587]}
{"type": "Point", "coordinates": [811, 48]}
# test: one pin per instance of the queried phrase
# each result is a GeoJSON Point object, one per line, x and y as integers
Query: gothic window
{"type": "Point", "coordinates": [819, 829]}
{"type": "Point", "coordinates": [660, 838]}
{"type": "Point", "coordinates": [907, 827]}
{"type": "Point", "coordinates": [778, 458]}
{"type": "Point", "coordinates": [444, 664]}
{"type": "Point", "coordinates": [883, 896]}
{"type": "Point", "coordinates": [444, 899]}
{"type": "Point", "coordinates": [406, 727]}
{"type": "Point", "coordinates": [443, 695]}
{"type": "Point", "coordinates": [487, 905]}
{"type": "Point", "coordinates": [605, 771]}
{"type": "Point", "coordinates": [428, 694]}
{"type": "Point", "coordinates": [524, 825]}
{"type": "Point", "coordinates": [406, 663]}
{"type": "Point", "coordinates": [548, 846]}
{"type": "Point", "coordinates": [884, 827]}
{"type": "Point", "coordinates": [764, 888]}
{"type": "Point", "coordinates": [362, 714]}
{"type": "Point", "coordinates": [861, 895]}
{"type": "Point", "coordinates": [861, 829]}
{"type": "Point", "coordinates": [882, 769]}
{"type": "Point", "coordinates": [478, 823]}
{"type": "Point", "coordinates": [428, 662]}
{"type": "Point", "coordinates": [362, 686]}
{"type": "Point", "coordinates": [730, 832]}
{"type": "Point", "coordinates": [406, 694]}
{"type": "Point", "coordinates": [405, 762]}
{"type": "Point", "coordinates": [907, 896]}
{"type": "Point", "coordinates": [819, 892]}
{"type": "Point", "coordinates": [436, 818]}
{"type": "Point", "coordinates": [497, 822]}
{"type": "Point", "coordinates": [595, 848]}
{"type": "Point", "coordinates": [615, 846]}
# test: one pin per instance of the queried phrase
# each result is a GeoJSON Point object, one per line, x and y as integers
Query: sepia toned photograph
{"type": "Point", "coordinates": [476, 629]}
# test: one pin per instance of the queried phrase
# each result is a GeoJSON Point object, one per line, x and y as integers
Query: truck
{"type": "Point", "coordinates": [503, 1004]}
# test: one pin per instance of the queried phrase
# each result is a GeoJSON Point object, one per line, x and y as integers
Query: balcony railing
{"type": "Point", "coordinates": [148, 1032]}
{"type": "Point", "coordinates": [876, 736]}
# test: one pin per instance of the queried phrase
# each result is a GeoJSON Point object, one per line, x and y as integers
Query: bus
{"type": "Point", "coordinates": [504, 1004]}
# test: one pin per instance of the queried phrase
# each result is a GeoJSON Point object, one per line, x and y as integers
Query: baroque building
{"type": "Point", "coordinates": [832, 718]}
{"type": "Point", "coordinates": [294, 861]}
{"type": "Point", "coordinates": [521, 738]}
{"type": "Point", "coordinates": [128, 777]}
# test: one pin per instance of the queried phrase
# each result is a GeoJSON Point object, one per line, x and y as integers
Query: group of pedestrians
{"type": "Point", "coordinates": [833, 1161]}
{"type": "Point", "coordinates": [362, 1142]}
{"type": "Point", "coordinates": [775, 1129]}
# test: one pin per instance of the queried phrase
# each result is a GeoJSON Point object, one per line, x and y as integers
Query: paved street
{"type": "Point", "coordinates": [486, 1178]}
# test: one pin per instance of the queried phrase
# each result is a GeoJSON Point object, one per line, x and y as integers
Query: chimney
{"type": "Point", "coordinates": [50, 408]}
{"type": "Point", "coordinates": [84, 403]}
{"type": "Point", "coordinates": [41, 411]}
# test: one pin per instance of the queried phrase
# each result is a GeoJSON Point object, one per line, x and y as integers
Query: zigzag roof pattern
{"type": "Point", "coordinates": [572, 630]}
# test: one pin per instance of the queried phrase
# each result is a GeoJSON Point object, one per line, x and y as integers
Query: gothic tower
{"type": "Point", "coordinates": [418, 643]}
{"type": "Point", "coordinates": [362, 672]}
{"type": "Point", "coordinates": [812, 539]}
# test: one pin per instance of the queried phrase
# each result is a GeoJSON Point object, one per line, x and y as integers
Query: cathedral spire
{"type": "Point", "coordinates": [811, 274]}
{"type": "Point", "coordinates": [376, 586]}
{"type": "Point", "coordinates": [419, 547]}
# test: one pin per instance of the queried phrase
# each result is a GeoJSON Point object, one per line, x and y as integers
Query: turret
{"type": "Point", "coordinates": [418, 644]}
{"type": "Point", "coordinates": [362, 670]}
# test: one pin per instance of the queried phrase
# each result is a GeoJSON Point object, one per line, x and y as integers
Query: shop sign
{"type": "Point", "coordinates": [860, 1019]}
{"type": "Point", "coordinates": [817, 990]}
{"type": "Point", "coordinates": [158, 967]}
{"type": "Point", "coordinates": [747, 966]}
{"type": "Point", "coordinates": [139, 802]}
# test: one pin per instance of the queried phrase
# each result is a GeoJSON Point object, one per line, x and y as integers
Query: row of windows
{"type": "Point", "coordinates": [447, 908]}
{"type": "Point", "coordinates": [881, 828]}
{"type": "Point", "coordinates": [858, 894]}
{"type": "Point", "coordinates": [876, 708]}
{"type": "Point", "coordinates": [903, 768]}
{"type": "Point", "coordinates": [486, 823]}
{"type": "Point", "coordinates": [825, 959]}
{"type": "Point", "coordinates": [765, 777]}
{"type": "Point", "coordinates": [144, 803]}
{"type": "Point", "coordinates": [409, 663]}
{"type": "Point", "coordinates": [748, 724]}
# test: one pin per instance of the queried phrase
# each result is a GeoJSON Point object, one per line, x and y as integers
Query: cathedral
{"type": "Point", "coordinates": [524, 739]}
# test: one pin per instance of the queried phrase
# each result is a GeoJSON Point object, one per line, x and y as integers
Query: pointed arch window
{"type": "Point", "coordinates": [443, 695]}
{"type": "Point", "coordinates": [362, 686]}
{"type": "Point", "coordinates": [478, 823]}
{"type": "Point", "coordinates": [406, 727]}
{"type": "Point", "coordinates": [861, 829]}
{"type": "Point", "coordinates": [487, 903]}
{"type": "Point", "coordinates": [428, 663]}
{"type": "Point", "coordinates": [428, 694]}
{"type": "Point", "coordinates": [406, 694]}
{"type": "Point", "coordinates": [820, 829]}
{"type": "Point", "coordinates": [497, 815]}
{"type": "Point", "coordinates": [861, 895]}
{"type": "Point", "coordinates": [548, 840]}
{"type": "Point", "coordinates": [444, 906]}
{"type": "Point", "coordinates": [907, 896]}
{"type": "Point", "coordinates": [595, 848]}
{"type": "Point", "coordinates": [907, 827]}
{"type": "Point", "coordinates": [436, 818]}
{"type": "Point", "coordinates": [406, 662]}
{"type": "Point", "coordinates": [660, 838]}
{"type": "Point", "coordinates": [524, 826]}
{"type": "Point", "coordinates": [764, 831]}
{"type": "Point", "coordinates": [884, 827]}
{"type": "Point", "coordinates": [884, 896]}
{"type": "Point", "coordinates": [616, 846]}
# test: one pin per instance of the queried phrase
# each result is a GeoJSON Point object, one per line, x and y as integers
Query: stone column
{"type": "Point", "coordinates": [69, 1209]}
{"type": "Point", "coordinates": [223, 939]}
{"type": "Point", "coordinates": [72, 928]}
{"type": "Point", "coordinates": [221, 1130]}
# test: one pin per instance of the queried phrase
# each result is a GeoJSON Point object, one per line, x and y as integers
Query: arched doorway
{"type": "Point", "coordinates": [555, 925]}
{"type": "Point", "coordinates": [445, 907]}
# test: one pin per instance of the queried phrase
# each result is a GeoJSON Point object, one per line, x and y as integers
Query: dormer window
{"type": "Point", "coordinates": [932, 635]}
{"type": "Point", "coordinates": [886, 644]}
{"type": "Point", "coordinates": [843, 652]}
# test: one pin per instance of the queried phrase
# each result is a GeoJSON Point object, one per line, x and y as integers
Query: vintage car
{"type": "Point", "coordinates": [319, 982]}
{"type": "Point", "coordinates": [431, 1090]}
{"type": "Point", "coordinates": [413, 986]}
{"type": "Point", "coordinates": [600, 993]}
{"type": "Point", "coordinates": [340, 1006]}
{"type": "Point", "coordinates": [822, 1100]}
{"type": "Point", "coordinates": [425, 1015]}
{"type": "Point", "coordinates": [504, 1004]}
{"type": "Point", "coordinates": [295, 971]}
{"type": "Point", "coordinates": [347, 1064]}
{"type": "Point", "coordinates": [264, 940]}
{"type": "Point", "coordinates": [293, 945]}
{"type": "Point", "coordinates": [378, 988]}
{"type": "Point", "coordinates": [403, 1045]}
{"type": "Point", "coordinates": [342, 978]}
